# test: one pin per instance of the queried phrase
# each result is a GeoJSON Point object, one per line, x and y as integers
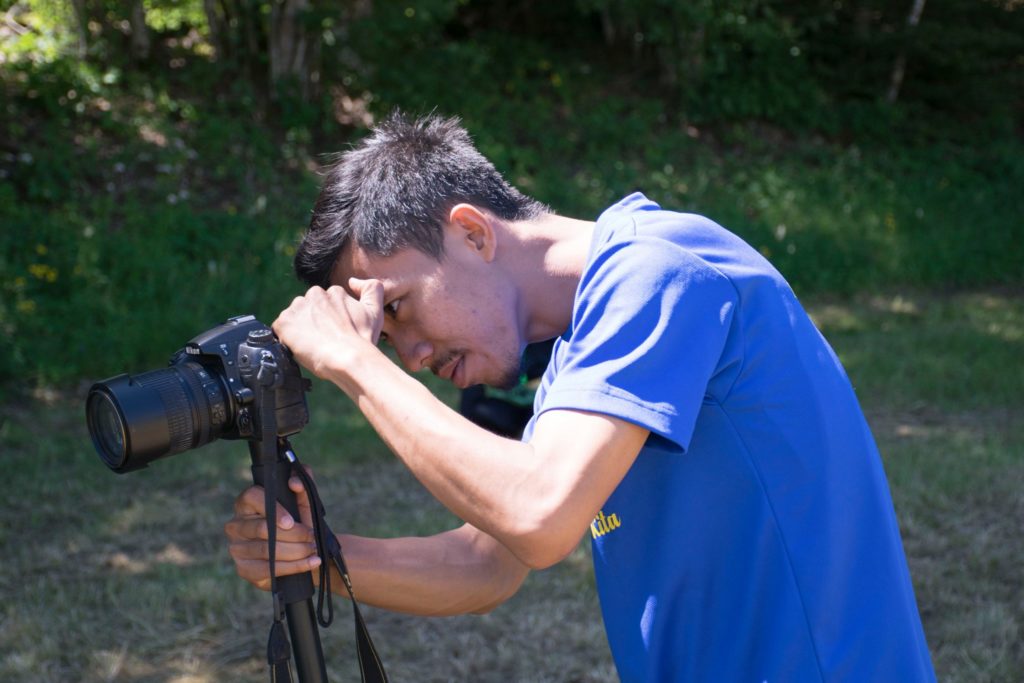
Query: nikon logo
{"type": "Point", "coordinates": [192, 350]}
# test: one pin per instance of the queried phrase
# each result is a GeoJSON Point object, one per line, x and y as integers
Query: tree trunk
{"type": "Point", "coordinates": [289, 43]}
{"type": "Point", "coordinates": [899, 67]}
{"type": "Point", "coordinates": [215, 19]}
{"type": "Point", "coordinates": [82, 25]}
{"type": "Point", "coordinates": [607, 25]}
{"type": "Point", "coordinates": [140, 32]}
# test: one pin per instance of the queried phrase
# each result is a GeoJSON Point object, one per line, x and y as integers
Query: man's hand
{"type": "Point", "coordinates": [324, 323]}
{"type": "Point", "coordinates": [248, 539]}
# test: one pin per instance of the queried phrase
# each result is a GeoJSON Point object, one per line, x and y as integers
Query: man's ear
{"type": "Point", "coordinates": [474, 229]}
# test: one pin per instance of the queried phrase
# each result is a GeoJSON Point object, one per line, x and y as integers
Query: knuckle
{"type": "Point", "coordinates": [249, 498]}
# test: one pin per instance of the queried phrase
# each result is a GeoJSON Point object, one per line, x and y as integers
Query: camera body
{"type": "Point", "coordinates": [208, 391]}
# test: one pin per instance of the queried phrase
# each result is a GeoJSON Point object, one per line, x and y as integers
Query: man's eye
{"type": "Point", "coordinates": [391, 308]}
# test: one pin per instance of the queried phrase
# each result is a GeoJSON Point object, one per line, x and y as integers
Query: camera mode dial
{"type": "Point", "coordinates": [261, 337]}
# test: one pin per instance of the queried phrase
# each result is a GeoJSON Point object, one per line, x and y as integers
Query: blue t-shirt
{"type": "Point", "coordinates": [754, 537]}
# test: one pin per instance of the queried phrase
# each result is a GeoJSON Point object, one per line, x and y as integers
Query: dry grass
{"type": "Point", "coordinates": [126, 579]}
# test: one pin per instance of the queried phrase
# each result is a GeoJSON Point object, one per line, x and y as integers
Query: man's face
{"type": "Point", "coordinates": [457, 317]}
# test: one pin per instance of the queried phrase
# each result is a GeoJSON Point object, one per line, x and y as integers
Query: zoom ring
{"type": "Point", "coordinates": [177, 407]}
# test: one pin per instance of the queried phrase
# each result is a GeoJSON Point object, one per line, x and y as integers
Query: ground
{"type": "Point", "coordinates": [126, 578]}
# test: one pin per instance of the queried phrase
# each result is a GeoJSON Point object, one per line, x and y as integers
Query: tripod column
{"type": "Point", "coordinates": [296, 590]}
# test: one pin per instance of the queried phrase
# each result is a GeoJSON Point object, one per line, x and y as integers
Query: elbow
{"type": "Point", "coordinates": [545, 546]}
{"type": "Point", "coordinates": [541, 528]}
{"type": "Point", "coordinates": [506, 583]}
{"type": "Point", "coordinates": [543, 558]}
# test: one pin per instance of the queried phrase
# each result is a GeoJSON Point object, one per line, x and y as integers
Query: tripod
{"type": "Point", "coordinates": [295, 593]}
{"type": "Point", "coordinates": [273, 462]}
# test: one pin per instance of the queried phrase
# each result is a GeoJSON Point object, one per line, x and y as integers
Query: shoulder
{"type": "Point", "coordinates": [637, 229]}
{"type": "Point", "coordinates": [650, 265]}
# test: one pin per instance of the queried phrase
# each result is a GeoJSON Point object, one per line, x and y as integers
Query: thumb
{"type": "Point", "coordinates": [367, 291]}
{"type": "Point", "coordinates": [302, 498]}
{"type": "Point", "coordinates": [371, 296]}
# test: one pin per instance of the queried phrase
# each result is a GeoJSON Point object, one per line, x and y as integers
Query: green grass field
{"type": "Point", "coordinates": [126, 578]}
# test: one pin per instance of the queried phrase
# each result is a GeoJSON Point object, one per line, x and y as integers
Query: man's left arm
{"type": "Point", "coordinates": [537, 498]}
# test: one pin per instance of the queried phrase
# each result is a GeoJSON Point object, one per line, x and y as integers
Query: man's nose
{"type": "Point", "coordinates": [414, 353]}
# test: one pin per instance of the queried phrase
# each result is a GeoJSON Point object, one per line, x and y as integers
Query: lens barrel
{"type": "Point", "coordinates": [134, 420]}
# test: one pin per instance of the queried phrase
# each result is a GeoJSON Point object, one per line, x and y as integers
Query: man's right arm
{"type": "Point", "coordinates": [461, 571]}
{"type": "Point", "coordinates": [456, 572]}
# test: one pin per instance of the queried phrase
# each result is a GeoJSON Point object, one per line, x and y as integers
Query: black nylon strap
{"type": "Point", "coordinates": [370, 667]}
{"type": "Point", "coordinates": [278, 647]}
{"type": "Point", "coordinates": [278, 654]}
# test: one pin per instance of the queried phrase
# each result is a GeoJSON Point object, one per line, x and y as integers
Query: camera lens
{"type": "Point", "coordinates": [107, 428]}
{"type": "Point", "coordinates": [135, 419]}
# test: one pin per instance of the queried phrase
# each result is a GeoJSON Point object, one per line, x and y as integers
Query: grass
{"type": "Point", "coordinates": [126, 578]}
{"type": "Point", "coordinates": [940, 378]}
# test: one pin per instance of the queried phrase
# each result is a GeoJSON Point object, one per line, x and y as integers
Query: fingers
{"type": "Point", "coordinates": [251, 502]}
{"type": "Point", "coordinates": [260, 550]}
{"type": "Point", "coordinates": [294, 553]}
{"type": "Point", "coordinates": [244, 529]}
{"type": "Point", "coordinates": [250, 523]}
{"type": "Point", "coordinates": [257, 572]}
{"type": "Point", "coordinates": [248, 538]}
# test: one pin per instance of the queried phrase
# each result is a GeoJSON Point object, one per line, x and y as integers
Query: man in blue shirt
{"type": "Point", "coordinates": [692, 419]}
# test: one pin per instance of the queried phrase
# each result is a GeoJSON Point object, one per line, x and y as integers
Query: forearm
{"type": "Point", "coordinates": [499, 485]}
{"type": "Point", "coordinates": [457, 572]}
{"type": "Point", "coordinates": [536, 498]}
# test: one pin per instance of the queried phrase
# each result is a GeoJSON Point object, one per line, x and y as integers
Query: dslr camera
{"type": "Point", "coordinates": [209, 391]}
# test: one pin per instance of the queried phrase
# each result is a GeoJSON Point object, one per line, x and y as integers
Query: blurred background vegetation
{"type": "Point", "coordinates": [158, 157]}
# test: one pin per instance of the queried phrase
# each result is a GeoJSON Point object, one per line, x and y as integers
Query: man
{"type": "Point", "coordinates": [692, 419]}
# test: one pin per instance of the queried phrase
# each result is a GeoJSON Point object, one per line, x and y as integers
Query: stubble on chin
{"type": "Point", "coordinates": [509, 374]}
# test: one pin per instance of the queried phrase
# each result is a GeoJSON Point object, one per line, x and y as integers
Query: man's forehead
{"type": "Point", "coordinates": [352, 262]}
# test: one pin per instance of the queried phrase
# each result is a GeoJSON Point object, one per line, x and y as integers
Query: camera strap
{"type": "Point", "coordinates": [271, 449]}
{"type": "Point", "coordinates": [278, 647]}
{"type": "Point", "coordinates": [328, 548]}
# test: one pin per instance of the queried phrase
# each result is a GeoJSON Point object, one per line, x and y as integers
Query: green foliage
{"type": "Point", "coordinates": [144, 201]}
{"type": "Point", "coordinates": [174, 15]}
{"type": "Point", "coordinates": [721, 60]}
{"type": "Point", "coordinates": [136, 226]}
{"type": "Point", "coordinates": [47, 31]}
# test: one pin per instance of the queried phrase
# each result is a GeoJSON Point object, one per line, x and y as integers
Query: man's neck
{"type": "Point", "coordinates": [547, 259]}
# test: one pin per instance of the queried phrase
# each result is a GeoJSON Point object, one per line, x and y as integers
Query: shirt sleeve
{"type": "Point", "coordinates": [649, 327]}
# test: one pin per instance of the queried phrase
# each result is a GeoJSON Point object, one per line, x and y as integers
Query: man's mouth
{"type": "Point", "coordinates": [453, 369]}
{"type": "Point", "coordinates": [446, 370]}
{"type": "Point", "coordinates": [459, 373]}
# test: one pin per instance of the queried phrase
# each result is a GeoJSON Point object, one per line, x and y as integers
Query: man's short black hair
{"type": "Point", "coordinates": [394, 190]}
